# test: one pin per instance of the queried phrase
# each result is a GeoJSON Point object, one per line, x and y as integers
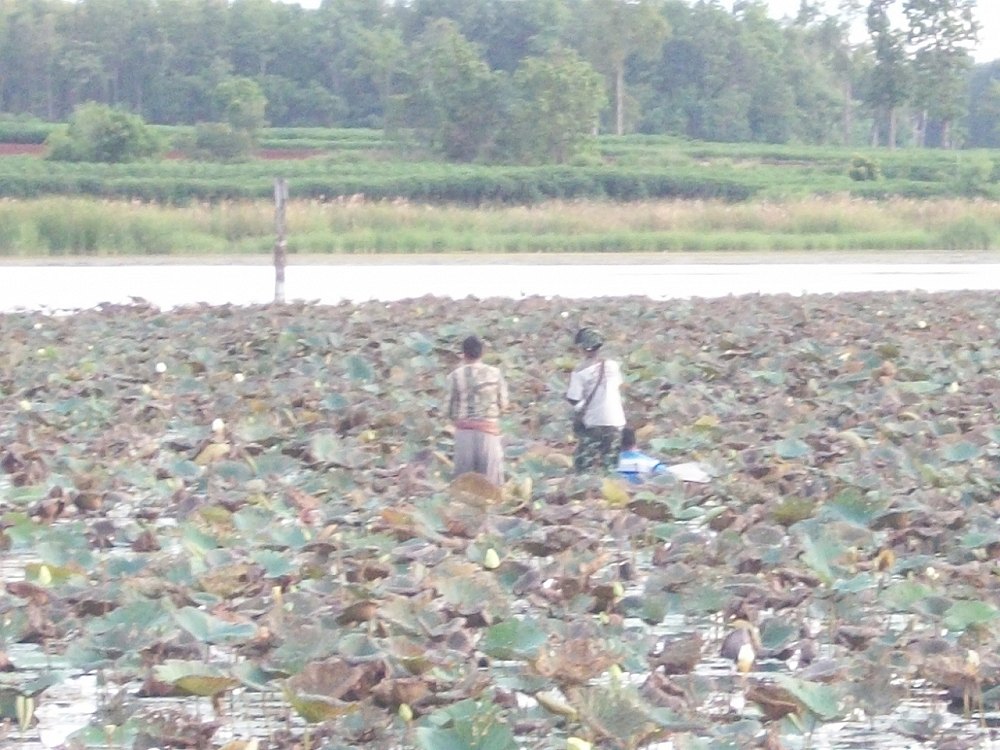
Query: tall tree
{"type": "Point", "coordinates": [695, 88]}
{"type": "Point", "coordinates": [455, 104]}
{"type": "Point", "coordinates": [611, 31]}
{"type": "Point", "coordinates": [817, 65]}
{"type": "Point", "coordinates": [768, 73]}
{"type": "Point", "coordinates": [940, 32]}
{"type": "Point", "coordinates": [29, 51]}
{"type": "Point", "coordinates": [341, 45]}
{"type": "Point", "coordinates": [383, 59]}
{"type": "Point", "coordinates": [983, 123]}
{"type": "Point", "coordinates": [889, 82]}
{"type": "Point", "coordinates": [557, 99]}
{"type": "Point", "coordinates": [252, 32]}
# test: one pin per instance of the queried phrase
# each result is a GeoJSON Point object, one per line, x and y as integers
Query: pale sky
{"type": "Point", "coordinates": [987, 12]}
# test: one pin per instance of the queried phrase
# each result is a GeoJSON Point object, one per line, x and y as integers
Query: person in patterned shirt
{"type": "Point", "coordinates": [477, 396]}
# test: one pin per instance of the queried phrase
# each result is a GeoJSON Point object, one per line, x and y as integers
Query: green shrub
{"type": "Point", "coordinates": [98, 133]}
{"type": "Point", "coordinates": [973, 176]}
{"type": "Point", "coordinates": [863, 169]}
{"type": "Point", "coordinates": [219, 141]}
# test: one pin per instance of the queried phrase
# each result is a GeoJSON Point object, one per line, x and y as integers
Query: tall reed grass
{"type": "Point", "coordinates": [79, 226]}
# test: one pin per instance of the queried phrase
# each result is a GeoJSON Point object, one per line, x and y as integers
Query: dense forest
{"type": "Point", "coordinates": [472, 73]}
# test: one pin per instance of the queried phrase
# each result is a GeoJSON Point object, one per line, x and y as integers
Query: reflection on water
{"type": "Point", "coordinates": [922, 721]}
{"type": "Point", "coordinates": [917, 723]}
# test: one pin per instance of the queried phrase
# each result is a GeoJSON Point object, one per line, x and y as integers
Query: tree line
{"type": "Point", "coordinates": [518, 80]}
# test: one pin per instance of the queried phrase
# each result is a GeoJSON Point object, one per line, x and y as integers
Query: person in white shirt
{"type": "Point", "coordinates": [595, 393]}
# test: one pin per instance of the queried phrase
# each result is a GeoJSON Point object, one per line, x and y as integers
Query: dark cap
{"type": "Point", "coordinates": [589, 339]}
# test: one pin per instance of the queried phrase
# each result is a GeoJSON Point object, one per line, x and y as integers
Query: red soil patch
{"type": "Point", "coordinates": [21, 149]}
{"type": "Point", "coordinates": [269, 154]}
{"type": "Point", "coordinates": [288, 153]}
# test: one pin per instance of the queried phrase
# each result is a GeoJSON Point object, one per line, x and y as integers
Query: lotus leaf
{"type": "Point", "coordinates": [821, 555]}
{"type": "Point", "coordinates": [556, 703]}
{"type": "Point", "coordinates": [317, 692]}
{"type": "Point", "coordinates": [208, 628]}
{"type": "Point", "coordinates": [467, 725]}
{"type": "Point", "coordinates": [194, 678]}
{"type": "Point", "coordinates": [513, 639]}
{"type": "Point", "coordinates": [617, 713]}
{"type": "Point", "coordinates": [792, 448]}
{"type": "Point", "coordinates": [614, 492]}
{"type": "Point", "coordinates": [274, 564]}
{"type": "Point", "coordinates": [820, 699]}
{"type": "Point", "coordinates": [962, 451]}
{"type": "Point", "coordinates": [273, 463]}
{"type": "Point", "coordinates": [359, 369]}
{"type": "Point", "coordinates": [334, 503]}
{"type": "Point", "coordinates": [965, 614]}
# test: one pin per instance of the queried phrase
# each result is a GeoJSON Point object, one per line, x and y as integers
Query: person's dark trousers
{"type": "Point", "coordinates": [597, 449]}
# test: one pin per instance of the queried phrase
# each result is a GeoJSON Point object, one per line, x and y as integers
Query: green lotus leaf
{"type": "Point", "coordinates": [210, 629]}
{"type": "Point", "coordinates": [273, 463]}
{"type": "Point", "coordinates": [821, 556]}
{"type": "Point", "coordinates": [822, 700]}
{"type": "Point", "coordinates": [965, 614]}
{"type": "Point", "coordinates": [962, 451]}
{"type": "Point", "coordinates": [256, 676]}
{"type": "Point", "coordinates": [618, 711]}
{"type": "Point", "coordinates": [513, 639]}
{"type": "Point", "coordinates": [791, 448]}
{"type": "Point", "coordinates": [359, 369]}
{"type": "Point", "coordinates": [466, 725]}
{"type": "Point", "coordinates": [326, 447]}
{"type": "Point", "coordinates": [855, 507]}
{"type": "Point", "coordinates": [257, 430]}
{"type": "Point", "coordinates": [901, 596]}
{"type": "Point", "coordinates": [776, 634]}
{"type": "Point", "coordinates": [275, 564]}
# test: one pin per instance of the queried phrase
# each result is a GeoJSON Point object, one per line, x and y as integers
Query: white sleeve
{"type": "Point", "coordinates": [575, 390]}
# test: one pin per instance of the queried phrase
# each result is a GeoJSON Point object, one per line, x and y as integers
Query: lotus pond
{"type": "Point", "coordinates": [236, 527]}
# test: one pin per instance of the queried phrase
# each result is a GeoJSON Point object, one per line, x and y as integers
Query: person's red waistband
{"type": "Point", "coordinates": [489, 426]}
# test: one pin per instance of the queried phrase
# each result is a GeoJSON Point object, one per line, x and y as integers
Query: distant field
{"type": "Point", "coordinates": [346, 162]}
{"type": "Point", "coordinates": [354, 192]}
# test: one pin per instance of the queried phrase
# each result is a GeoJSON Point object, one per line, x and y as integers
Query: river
{"type": "Point", "coordinates": [69, 287]}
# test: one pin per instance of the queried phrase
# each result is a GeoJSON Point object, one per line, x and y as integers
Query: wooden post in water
{"type": "Point", "coordinates": [280, 241]}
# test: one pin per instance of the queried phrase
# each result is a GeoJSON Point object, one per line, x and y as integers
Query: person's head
{"type": "Point", "coordinates": [628, 438]}
{"type": "Point", "coordinates": [472, 348]}
{"type": "Point", "coordinates": [588, 339]}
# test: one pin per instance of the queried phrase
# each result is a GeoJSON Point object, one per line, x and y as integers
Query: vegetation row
{"type": "Point", "coordinates": [81, 226]}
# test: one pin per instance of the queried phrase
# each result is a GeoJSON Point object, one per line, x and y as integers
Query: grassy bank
{"type": "Point", "coordinates": [56, 227]}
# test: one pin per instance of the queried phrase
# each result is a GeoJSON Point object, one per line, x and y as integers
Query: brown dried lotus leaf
{"type": "Point", "coordinates": [574, 661]}
{"type": "Point", "coordinates": [318, 692]}
{"type": "Point", "coordinates": [475, 490]}
{"type": "Point", "coordinates": [775, 702]}
{"type": "Point", "coordinates": [230, 580]}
